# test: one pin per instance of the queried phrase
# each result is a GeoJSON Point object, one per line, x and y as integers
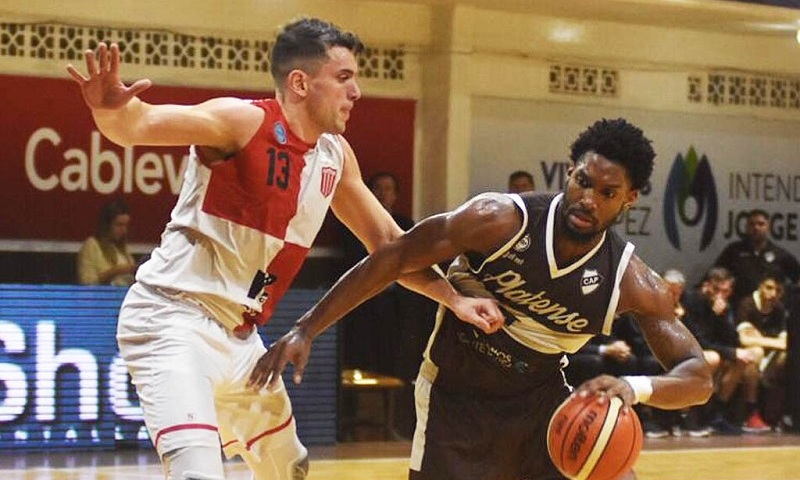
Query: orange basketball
{"type": "Point", "coordinates": [589, 440]}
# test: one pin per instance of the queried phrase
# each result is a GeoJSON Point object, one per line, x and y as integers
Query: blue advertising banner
{"type": "Point", "coordinates": [64, 385]}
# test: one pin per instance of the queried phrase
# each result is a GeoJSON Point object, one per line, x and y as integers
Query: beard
{"type": "Point", "coordinates": [574, 234]}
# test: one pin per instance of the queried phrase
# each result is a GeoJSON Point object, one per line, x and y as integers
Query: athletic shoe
{"type": "Point", "coordinates": [656, 433]}
{"type": "Point", "coordinates": [755, 424]}
{"type": "Point", "coordinates": [691, 427]}
{"type": "Point", "coordinates": [724, 427]}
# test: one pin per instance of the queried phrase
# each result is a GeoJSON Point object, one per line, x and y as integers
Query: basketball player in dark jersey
{"type": "Point", "coordinates": [484, 398]}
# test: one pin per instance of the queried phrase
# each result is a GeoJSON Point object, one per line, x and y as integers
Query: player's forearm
{"type": "Point", "coordinates": [367, 278]}
{"type": "Point", "coordinates": [431, 283]}
{"type": "Point", "coordinates": [686, 384]}
{"type": "Point", "coordinates": [122, 125]}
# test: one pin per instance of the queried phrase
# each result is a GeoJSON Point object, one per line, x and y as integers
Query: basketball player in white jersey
{"type": "Point", "coordinates": [561, 276]}
{"type": "Point", "coordinates": [260, 179]}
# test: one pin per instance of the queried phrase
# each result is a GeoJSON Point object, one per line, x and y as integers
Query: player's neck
{"type": "Point", "coordinates": [568, 247]}
{"type": "Point", "coordinates": [300, 123]}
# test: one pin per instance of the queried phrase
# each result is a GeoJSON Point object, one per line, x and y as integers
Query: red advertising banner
{"type": "Point", "coordinates": [57, 169]}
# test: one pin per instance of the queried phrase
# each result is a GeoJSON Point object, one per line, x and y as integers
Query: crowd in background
{"type": "Point", "coordinates": [737, 312]}
{"type": "Point", "coordinates": [738, 315]}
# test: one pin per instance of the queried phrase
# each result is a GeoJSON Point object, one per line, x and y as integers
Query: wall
{"type": "Point", "coordinates": [704, 60]}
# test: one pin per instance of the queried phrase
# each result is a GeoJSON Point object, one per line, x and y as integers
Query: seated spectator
{"type": "Point", "coordinates": [761, 323]}
{"type": "Point", "coordinates": [601, 355]}
{"type": "Point", "coordinates": [520, 181]}
{"type": "Point", "coordinates": [104, 258]}
{"type": "Point", "coordinates": [710, 318]}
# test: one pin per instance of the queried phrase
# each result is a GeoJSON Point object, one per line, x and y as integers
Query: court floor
{"type": "Point", "coordinates": [749, 457]}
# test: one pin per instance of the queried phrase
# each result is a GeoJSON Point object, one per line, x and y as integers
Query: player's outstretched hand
{"type": "Point", "coordinates": [608, 386]}
{"type": "Point", "coordinates": [480, 312]}
{"type": "Point", "coordinates": [103, 88]}
{"type": "Point", "coordinates": [293, 347]}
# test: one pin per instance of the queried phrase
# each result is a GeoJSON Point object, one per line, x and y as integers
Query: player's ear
{"type": "Point", "coordinates": [632, 196]}
{"type": "Point", "coordinates": [297, 81]}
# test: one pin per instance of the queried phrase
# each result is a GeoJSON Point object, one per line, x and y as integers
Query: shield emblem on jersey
{"type": "Point", "coordinates": [590, 281]}
{"type": "Point", "coordinates": [327, 181]}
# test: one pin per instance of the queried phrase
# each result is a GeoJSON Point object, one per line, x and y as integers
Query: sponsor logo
{"type": "Point", "coordinates": [481, 345]}
{"type": "Point", "coordinates": [691, 198]}
{"type": "Point", "coordinates": [280, 132]}
{"type": "Point", "coordinates": [523, 244]}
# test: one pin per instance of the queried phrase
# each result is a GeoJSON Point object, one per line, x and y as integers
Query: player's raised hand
{"type": "Point", "coordinates": [294, 347]}
{"type": "Point", "coordinates": [102, 88]}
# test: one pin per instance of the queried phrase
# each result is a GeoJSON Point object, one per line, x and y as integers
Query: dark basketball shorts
{"type": "Point", "coordinates": [483, 405]}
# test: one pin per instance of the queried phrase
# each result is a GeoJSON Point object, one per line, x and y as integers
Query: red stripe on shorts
{"type": "Point", "coordinates": [270, 432]}
{"type": "Point", "coordinates": [184, 426]}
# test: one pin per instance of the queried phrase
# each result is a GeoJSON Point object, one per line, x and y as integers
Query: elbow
{"type": "Point", "coordinates": [706, 391]}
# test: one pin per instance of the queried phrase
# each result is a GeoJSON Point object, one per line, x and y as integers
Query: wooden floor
{"type": "Point", "coordinates": [749, 457]}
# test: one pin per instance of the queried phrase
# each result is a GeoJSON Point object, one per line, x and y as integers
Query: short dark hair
{"type": "Point", "coordinates": [520, 174]}
{"type": "Point", "coordinates": [108, 213]}
{"type": "Point", "coordinates": [718, 274]}
{"type": "Point", "coordinates": [305, 40]}
{"type": "Point", "coordinates": [757, 212]}
{"type": "Point", "coordinates": [620, 142]}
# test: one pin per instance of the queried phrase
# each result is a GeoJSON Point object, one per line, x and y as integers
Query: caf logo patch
{"type": "Point", "coordinates": [590, 280]}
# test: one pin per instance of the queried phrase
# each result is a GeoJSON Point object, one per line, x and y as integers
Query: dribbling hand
{"type": "Point", "coordinates": [103, 88]}
{"type": "Point", "coordinates": [607, 386]}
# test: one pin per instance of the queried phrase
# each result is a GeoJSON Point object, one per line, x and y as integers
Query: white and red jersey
{"type": "Point", "coordinates": [242, 228]}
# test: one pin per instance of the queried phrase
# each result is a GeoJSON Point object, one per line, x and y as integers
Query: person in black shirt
{"type": "Point", "coordinates": [754, 256]}
{"type": "Point", "coordinates": [761, 324]}
{"type": "Point", "coordinates": [710, 317]}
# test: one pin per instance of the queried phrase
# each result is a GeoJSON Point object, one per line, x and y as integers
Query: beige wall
{"type": "Point", "coordinates": [455, 53]}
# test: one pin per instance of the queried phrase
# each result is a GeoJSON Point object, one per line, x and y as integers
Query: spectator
{"type": "Point", "coordinates": [520, 181]}
{"type": "Point", "coordinates": [753, 256]}
{"type": "Point", "coordinates": [385, 187]}
{"type": "Point", "coordinates": [602, 354]}
{"type": "Point", "coordinates": [710, 318]}
{"type": "Point", "coordinates": [761, 324]}
{"type": "Point", "coordinates": [104, 258]}
{"type": "Point", "coordinates": [397, 341]}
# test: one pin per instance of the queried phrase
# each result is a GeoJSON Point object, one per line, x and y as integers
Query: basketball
{"type": "Point", "coordinates": [589, 440]}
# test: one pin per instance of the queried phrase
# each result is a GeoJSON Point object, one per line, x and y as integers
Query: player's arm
{"type": "Point", "coordinates": [687, 379]}
{"type": "Point", "coordinates": [481, 225]}
{"type": "Point", "coordinates": [225, 124]}
{"type": "Point", "coordinates": [359, 210]}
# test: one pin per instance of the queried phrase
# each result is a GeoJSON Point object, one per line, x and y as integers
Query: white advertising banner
{"type": "Point", "coordinates": [710, 170]}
